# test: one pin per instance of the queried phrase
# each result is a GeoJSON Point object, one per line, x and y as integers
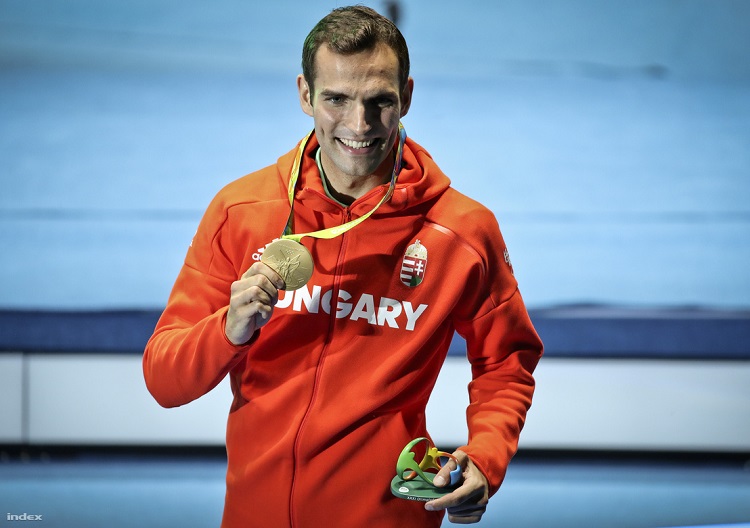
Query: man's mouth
{"type": "Point", "coordinates": [358, 144]}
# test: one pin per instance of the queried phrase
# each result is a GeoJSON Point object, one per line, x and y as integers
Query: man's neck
{"type": "Point", "coordinates": [346, 191]}
{"type": "Point", "coordinates": [327, 187]}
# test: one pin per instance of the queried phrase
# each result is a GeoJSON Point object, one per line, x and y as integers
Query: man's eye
{"type": "Point", "coordinates": [335, 99]}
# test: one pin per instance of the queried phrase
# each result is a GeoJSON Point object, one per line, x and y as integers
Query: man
{"type": "Point", "coordinates": [330, 380]}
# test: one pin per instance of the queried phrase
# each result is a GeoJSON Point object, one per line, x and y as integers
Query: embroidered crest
{"type": "Point", "coordinates": [414, 264]}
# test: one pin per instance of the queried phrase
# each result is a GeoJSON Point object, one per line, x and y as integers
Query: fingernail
{"type": "Point", "coordinates": [429, 507]}
{"type": "Point", "coordinates": [439, 480]}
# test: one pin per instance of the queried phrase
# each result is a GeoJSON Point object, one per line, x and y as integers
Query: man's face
{"type": "Point", "coordinates": [356, 107]}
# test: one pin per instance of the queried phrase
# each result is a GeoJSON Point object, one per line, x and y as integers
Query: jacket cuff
{"type": "Point", "coordinates": [493, 471]}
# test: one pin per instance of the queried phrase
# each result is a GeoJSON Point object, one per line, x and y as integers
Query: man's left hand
{"type": "Point", "coordinates": [468, 502]}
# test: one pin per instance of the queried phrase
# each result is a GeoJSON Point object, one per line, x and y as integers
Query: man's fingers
{"type": "Point", "coordinates": [253, 294]}
{"type": "Point", "coordinates": [469, 516]}
{"type": "Point", "coordinates": [467, 509]}
{"type": "Point", "coordinates": [260, 268]}
{"type": "Point", "coordinates": [251, 302]}
{"type": "Point", "coordinates": [258, 283]}
{"type": "Point", "coordinates": [443, 476]}
{"type": "Point", "coordinates": [467, 503]}
{"type": "Point", "coordinates": [451, 500]}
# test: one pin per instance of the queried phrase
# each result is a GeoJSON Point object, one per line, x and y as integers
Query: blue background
{"type": "Point", "coordinates": [612, 140]}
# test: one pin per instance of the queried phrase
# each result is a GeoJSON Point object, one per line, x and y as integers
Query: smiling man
{"type": "Point", "coordinates": [356, 99]}
{"type": "Point", "coordinates": [333, 334]}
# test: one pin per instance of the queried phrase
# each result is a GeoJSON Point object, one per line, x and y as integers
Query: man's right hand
{"type": "Point", "coordinates": [251, 304]}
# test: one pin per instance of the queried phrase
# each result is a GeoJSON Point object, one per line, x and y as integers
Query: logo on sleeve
{"type": "Point", "coordinates": [506, 256]}
{"type": "Point", "coordinates": [414, 265]}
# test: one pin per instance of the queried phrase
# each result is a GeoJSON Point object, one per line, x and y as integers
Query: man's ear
{"type": "Point", "coordinates": [305, 96]}
{"type": "Point", "coordinates": [406, 96]}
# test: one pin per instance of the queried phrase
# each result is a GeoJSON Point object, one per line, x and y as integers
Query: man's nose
{"type": "Point", "coordinates": [361, 118]}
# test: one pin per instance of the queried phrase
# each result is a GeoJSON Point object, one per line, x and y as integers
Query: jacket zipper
{"type": "Point", "coordinates": [319, 367]}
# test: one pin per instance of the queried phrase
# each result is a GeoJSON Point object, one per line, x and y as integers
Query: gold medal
{"type": "Point", "coordinates": [291, 260]}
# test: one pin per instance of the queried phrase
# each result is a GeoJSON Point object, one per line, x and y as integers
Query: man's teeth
{"type": "Point", "coordinates": [356, 144]}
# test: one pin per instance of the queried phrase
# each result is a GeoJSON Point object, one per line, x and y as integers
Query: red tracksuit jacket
{"type": "Point", "coordinates": [330, 390]}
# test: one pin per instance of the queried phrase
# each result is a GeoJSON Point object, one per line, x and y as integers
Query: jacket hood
{"type": "Point", "coordinates": [419, 181]}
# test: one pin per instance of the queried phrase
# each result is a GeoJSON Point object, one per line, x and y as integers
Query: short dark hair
{"type": "Point", "coordinates": [352, 29]}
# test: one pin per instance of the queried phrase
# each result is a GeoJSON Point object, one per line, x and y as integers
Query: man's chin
{"type": "Point", "coordinates": [358, 168]}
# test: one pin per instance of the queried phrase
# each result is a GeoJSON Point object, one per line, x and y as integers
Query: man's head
{"type": "Point", "coordinates": [356, 86]}
{"type": "Point", "coordinates": [352, 29]}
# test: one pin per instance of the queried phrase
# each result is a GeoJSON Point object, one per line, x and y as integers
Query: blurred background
{"type": "Point", "coordinates": [611, 140]}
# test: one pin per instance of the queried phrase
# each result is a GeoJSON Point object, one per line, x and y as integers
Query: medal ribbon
{"type": "Point", "coordinates": [333, 232]}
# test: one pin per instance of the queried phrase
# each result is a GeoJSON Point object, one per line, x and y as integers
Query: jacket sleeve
{"type": "Point", "coordinates": [188, 353]}
{"type": "Point", "coordinates": [503, 349]}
